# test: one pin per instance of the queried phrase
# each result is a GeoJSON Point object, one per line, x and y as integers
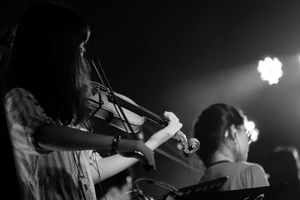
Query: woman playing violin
{"type": "Point", "coordinates": [46, 91]}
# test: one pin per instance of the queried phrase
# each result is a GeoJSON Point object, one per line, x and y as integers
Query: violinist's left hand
{"type": "Point", "coordinates": [166, 133]}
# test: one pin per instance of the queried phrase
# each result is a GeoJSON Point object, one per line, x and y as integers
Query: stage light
{"type": "Point", "coordinates": [270, 70]}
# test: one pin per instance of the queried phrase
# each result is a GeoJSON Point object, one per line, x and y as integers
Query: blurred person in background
{"type": "Point", "coordinates": [283, 167]}
{"type": "Point", "coordinates": [224, 138]}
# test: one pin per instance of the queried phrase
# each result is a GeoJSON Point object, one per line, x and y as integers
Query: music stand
{"type": "Point", "coordinates": [259, 193]}
{"type": "Point", "coordinates": [208, 186]}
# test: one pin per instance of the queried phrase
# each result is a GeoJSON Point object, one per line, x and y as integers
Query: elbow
{"type": "Point", "coordinates": [43, 137]}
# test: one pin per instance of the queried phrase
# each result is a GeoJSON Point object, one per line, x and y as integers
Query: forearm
{"type": "Point", "coordinates": [54, 137]}
{"type": "Point", "coordinates": [112, 165]}
{"type": "Point", "coordinates": [157, 139]}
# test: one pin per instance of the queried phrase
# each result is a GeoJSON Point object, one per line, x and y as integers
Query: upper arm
{"type": "Point", "coordinates": [24, 116]}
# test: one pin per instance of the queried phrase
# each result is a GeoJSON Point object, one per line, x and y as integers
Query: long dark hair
{"type": "Point", "coordinates": [210, 126]}
{"type": "Point", "coordinates": [46, 60]}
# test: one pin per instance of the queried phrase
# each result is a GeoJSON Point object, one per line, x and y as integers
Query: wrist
{"type": "Point", "coordinates": [158, 138]}
{"type": "Point", "coordinates": [152, 144]}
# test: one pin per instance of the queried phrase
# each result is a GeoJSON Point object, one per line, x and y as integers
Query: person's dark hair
{"type": "Point", "coordinates": [210, 126]}
{"type": "Point", "coordinates": [282, 165]}
{"type": "Point", "coordinates": [46, 60]}
{"type": "Point", "coordinates": [6, 37]}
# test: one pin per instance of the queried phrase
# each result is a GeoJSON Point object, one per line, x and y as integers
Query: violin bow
{"type": "Point", "coordinates": [116, 103]}
{"type": "Point", "coordinates": [109, 89]}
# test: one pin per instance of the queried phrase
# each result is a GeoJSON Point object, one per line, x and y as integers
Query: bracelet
{"type": "Point", "coordinates": [115, 144]}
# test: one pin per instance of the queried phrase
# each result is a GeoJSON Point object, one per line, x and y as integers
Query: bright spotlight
{"type": "Point", "coordinates": [270, 70]}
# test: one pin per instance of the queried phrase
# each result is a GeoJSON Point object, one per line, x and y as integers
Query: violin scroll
{"type": "Point", "coordinates": [188, 146]}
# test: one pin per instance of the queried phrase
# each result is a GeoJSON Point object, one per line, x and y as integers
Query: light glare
{"type": "Point", "coordinates": [270, 70]}
{"type": "Point", "coordinates": [252, 130]}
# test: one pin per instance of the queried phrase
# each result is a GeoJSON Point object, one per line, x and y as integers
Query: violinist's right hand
{"type": "Point", "coordinates": [166, 133]}
{"type": "Point", "coordinates": [137, 149]}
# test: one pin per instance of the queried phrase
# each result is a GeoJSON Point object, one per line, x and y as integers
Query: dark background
{"type": "Point", "coordinates": [182, 56]}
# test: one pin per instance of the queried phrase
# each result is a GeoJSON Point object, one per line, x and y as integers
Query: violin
{"type": "Point", "coordinates": [123, 113]}
{"type": "Point", "coordinates": [135, 114]}
{"type": "Point", "coordinates": [105, 108]}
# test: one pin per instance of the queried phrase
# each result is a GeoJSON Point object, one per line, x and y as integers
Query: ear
{"type": "Point", "coordinates": [232, 132]}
